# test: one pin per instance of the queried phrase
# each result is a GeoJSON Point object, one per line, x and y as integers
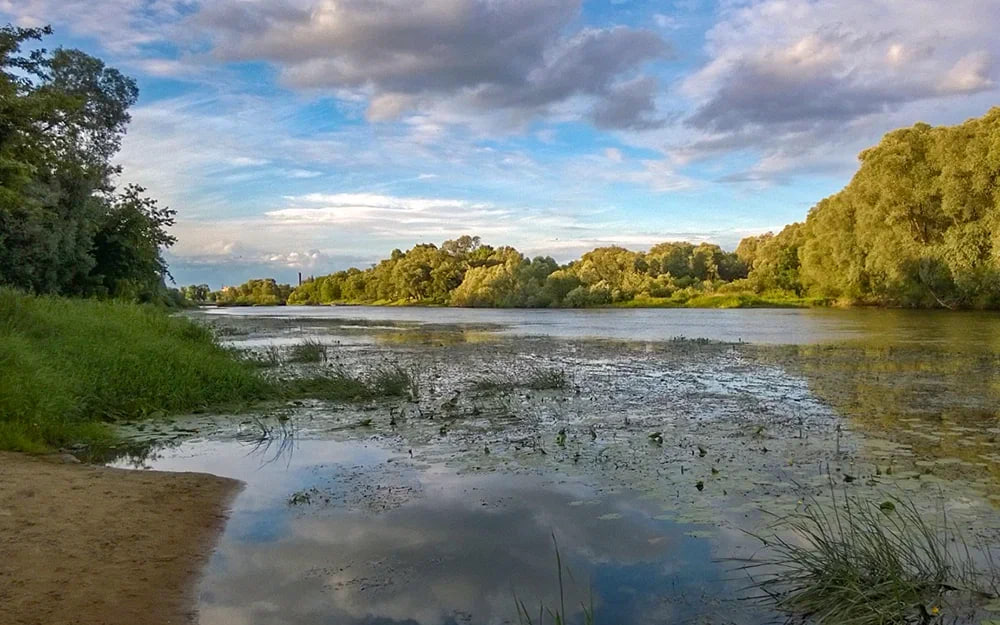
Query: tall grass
{"type": "Point", "coordinates": [858, 562]}
{"type": "Point", "coordinates": [66, 366]}
{"type": "Point", "coordinates": [69, 366]}
{"type": "Point", "coordinates": [536, 379]}
{"type": "Point", "coordinates": [309, 350]}
{"type": "Point", "coordinates": [388, 380]}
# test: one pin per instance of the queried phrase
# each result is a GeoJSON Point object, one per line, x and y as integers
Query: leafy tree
{"type": "Point", "coordinates": [127, 245]}
{"type": "Point", "coordinates": [63, 228]}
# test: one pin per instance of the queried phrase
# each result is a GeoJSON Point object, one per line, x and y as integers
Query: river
{"type": "Point", "coordinates": [643, 470]}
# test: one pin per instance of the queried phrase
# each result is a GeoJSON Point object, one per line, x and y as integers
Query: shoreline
{"type": "Point", "coordinates": [87, 544]}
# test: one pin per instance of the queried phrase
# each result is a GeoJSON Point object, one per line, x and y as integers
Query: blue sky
{"type": "Point", "coordinates": [310, 135]}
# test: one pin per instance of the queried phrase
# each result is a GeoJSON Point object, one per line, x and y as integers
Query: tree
{"type": "Point", "coordinates": [63, 229]}
{"type": "Point", "coordinates": [128, 246]}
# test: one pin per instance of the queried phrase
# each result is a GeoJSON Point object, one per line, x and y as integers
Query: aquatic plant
{"type": "Point", "coordinates": [392, 380]}
{"type": "Point", "coordinates": [335, 384]}
{"type": "Point", "coordinates": [555, 616]}
{"type": "Point", "coordinates": [862, 562]}
{"type": "Point", "coordinates": [543, 379]}
{"type": "Point", "coordinates": [386, 380]}
{"type": "Point", "coordinates": [267, 357]}
{"type": "Point", "coordinates": [309, 350]}
{"type": "Point", "coordinates": [535, 378]}
{"type": "Point", "coordinates": [272, 442]}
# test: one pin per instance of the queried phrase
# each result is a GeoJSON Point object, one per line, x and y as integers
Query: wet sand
{"type": "Point", "coordinates": [91, 545]}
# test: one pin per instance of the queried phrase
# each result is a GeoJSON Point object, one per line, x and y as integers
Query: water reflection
{"type": "Point", "coordinates": [936, 400]}
{"type": "Point", "coordinates": [765, 326]}
{"type": "Point", "coordinates": [381, 541]}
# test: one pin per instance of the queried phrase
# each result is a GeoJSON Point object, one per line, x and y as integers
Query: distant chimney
{"type": "Point", "coordinates": [300, 278]}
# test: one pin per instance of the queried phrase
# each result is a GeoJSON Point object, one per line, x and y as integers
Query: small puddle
{"type": "Point", "coordinates": [350, 533]}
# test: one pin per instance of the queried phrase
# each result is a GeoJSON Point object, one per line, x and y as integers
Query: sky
{"type": "Point", "coordinates": [312, 135]}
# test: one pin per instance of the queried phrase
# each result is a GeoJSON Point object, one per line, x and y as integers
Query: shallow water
{"type": "Point", "coordinates": [351, 533]}
{"type": "Point", "coordinates": [438, 509]}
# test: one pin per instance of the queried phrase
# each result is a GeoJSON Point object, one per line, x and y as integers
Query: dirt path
{"type": "Point", "coordinates": [86, 545]}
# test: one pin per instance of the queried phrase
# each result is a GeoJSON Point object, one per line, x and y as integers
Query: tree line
{"type": "Point", "coordinates": [917, 226]}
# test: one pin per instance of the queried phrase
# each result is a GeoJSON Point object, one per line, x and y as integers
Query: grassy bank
{"type": "Point", "coordinates": [68, 366]}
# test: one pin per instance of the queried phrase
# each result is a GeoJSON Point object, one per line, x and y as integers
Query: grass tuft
{"type": "Point", "coordinates": [859, 562]}
{"type": "Point", "coordinates": [535, 378]}
{"type": "Point", "coordinates": [556, 616]}
{"type": "Point", "coordinates": [389, 380]}
{"type": "Point", "coordinates": [309, 350]}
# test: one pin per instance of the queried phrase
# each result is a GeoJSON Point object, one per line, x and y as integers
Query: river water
{"type": "Point", "coordinates": [761, 325]}
{"type": "Point", "coordinates": [450, 507]}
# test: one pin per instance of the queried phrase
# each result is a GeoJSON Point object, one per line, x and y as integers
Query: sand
{"type": "Point", "coordinates": [88, 545]}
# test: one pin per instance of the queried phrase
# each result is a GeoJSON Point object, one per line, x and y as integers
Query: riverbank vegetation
{"type": "Point", "coordinates": [917, 226]}
{"type": "Point", "coordinates": [65, 227]}
{"type": "Point", "coordinates": [70, 366]}
{"type": "Point", "coordinates": [67, 366]}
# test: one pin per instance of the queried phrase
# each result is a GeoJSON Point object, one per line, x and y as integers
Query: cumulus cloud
{"type": "Point", "coordinates": [788, 75]}
{"type": "Point", "coordinates": [457, 55]}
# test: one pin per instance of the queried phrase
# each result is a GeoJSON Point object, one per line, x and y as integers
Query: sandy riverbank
{"type": "Point", "coordinates": [95, 546]}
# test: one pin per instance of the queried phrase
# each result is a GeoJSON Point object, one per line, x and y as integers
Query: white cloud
{"type": "Point", "coordinates": [799, 80]}
{"type": "Point", "coordinates": [447, 60]}
{"type": "Point", "coordinates": [970, 73]}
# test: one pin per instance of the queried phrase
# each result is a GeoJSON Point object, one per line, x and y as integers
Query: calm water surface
{"type": "Point", "coordinates": [772, 326]}
{"type": "Point", "coordinates": [361, 531]}
{"type": "Point", "coordinates": [372, 538]}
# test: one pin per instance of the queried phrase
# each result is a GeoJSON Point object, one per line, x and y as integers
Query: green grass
{"type": "Point", "coordinates": [68, 366]}
{"type": "Point", "coordinates": [309, 350]}
{"type": "Point", "coordinates": [388, 380]}
{"type": "Point", "coordinates": [858, 562]}
{"type": "Point", "coordinates": [556, 616]}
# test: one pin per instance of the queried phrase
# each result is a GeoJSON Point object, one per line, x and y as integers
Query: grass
{"type": "Point", "coordinates": [858, 562]}
{"type": "Point", "coordinates": [556, 616]}
{"type": "Point", "coordinates": [67, 366]}
{"type": "Point", "coordinates": [389, 380]}
{"type": "Point", "coordinates": [535, 378]}
{"type": "Point", "coordinates": [309, 350]}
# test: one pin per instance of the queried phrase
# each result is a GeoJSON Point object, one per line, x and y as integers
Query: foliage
{"type": "Point", "coordinates": [67, 365]}
{"type": "Point", "coordinates": [63, 227]}
{"type": "Point", "coordinates": [465, 272]}
{"type": "Point", "coordinates": [263, 292]}
{"type": "Point", "coordinates": [918, 225]}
